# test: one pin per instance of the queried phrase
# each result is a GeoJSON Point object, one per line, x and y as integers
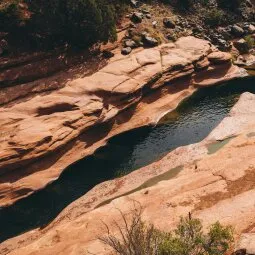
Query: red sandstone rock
{"type": "Point", "coordinates": [40, 137]}
{"type": "Point", "coordinates": [218, 186]}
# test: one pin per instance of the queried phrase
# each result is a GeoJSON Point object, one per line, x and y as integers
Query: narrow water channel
{"type": "Point", "coordinates": [191, 122]}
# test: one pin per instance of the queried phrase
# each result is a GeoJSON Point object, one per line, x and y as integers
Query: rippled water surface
{"type": "Point", "coordinates": [190, 123]}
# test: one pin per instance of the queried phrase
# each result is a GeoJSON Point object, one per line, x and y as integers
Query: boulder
{"type": "Point", "coordinates": [150, 41]}
{"type": "Point", "coordinates": [130, 44]}
{"type": "Point", "coordinates": [126, 51]}
{"type": "Point", "coordinates": [242, 46]}
{"type": "Point", "coordinates": [169, 23]}
{"type": "Point", "coordinates": [107, 54]}
{"type": "Point", "coordinates": [237, 31]}
{"type": "Point", "coordinates": [224, 45]}
{"type": "Point", "coordinates": [225, 33]}
{"type": "Point", "coordinates": [137, 17]}
{"type": "Point", "coordinates": [219, 57]}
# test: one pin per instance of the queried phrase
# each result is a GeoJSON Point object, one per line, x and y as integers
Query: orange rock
{"type": "Point", "coordinates": [40, 137]}
{"type": "Point", "coordinates": [215, 187]}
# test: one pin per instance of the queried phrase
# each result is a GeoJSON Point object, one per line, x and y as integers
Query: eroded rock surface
{"type": "Point", "coordinates": [212, 180]}
{"type": "Point", "coordinates": [40, 137]}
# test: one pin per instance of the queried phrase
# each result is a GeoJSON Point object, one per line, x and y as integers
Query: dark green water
{"type": "Point", "coordinates": [190, 123]}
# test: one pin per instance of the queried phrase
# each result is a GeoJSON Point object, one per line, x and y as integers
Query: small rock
{"type": "Point", "coordinates": [225, 33]}
{"type": "Point", "coordinates": [130, 32]}
{"type": "Point", "coordinates": [137, 17]}
{"type": "Point", "coordinates": [126, 51]}
{"type": "Point", "coordinates": [150, 41]}
{"type": "Point", "coordinates": [223, 45]}
{"type": "Point", "coordinates": [242, 46]}
{"type": "Point", "coordinates": [144, 11]}
{"type": "Point", "coordinates": [197, 29]}
{"type": "Point", "coordinates": [148, 16]}
{"type": "Point", "coordinates": [107, 54]}
{"type": "Point", "coordinates": [168, 23]}
{"type": "Point", "coordinates": [171, 37]}
{"type": "Point", "coordinates": [251, 29]}
{"type": "Point", "coordinates": [130, 44]}
{"type": "Point", "coordinates": [134, 3]}
{"type": "Point", "coordinates": [237, 31]}
{"type": "Point", "coordinates": [154, 23]}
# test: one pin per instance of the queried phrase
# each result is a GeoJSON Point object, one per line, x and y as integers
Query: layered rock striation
{"type": "Point", "coordinates": [213, 179]}
{"type": "Point", "coordinates": [41, 136]}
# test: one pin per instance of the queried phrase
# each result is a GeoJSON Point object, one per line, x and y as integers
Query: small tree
{"type": "Point", "coordinates": [189, 239]}
{"type": "Point", "coordinates": [137, 238]}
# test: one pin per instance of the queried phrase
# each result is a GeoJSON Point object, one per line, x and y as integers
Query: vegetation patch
{"type": "Point", "coordinates": [46, 23]}
{"type": "Point", "coordinates": [188, 238]}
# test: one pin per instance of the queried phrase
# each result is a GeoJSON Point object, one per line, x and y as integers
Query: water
{"type": "Point", "coordinates": [191, 122]}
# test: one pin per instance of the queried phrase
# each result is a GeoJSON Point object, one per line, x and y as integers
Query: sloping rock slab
{"type": "Point", "coordinates": [218, 186]}
{"type": "Point", "coordinates": [40, 137]}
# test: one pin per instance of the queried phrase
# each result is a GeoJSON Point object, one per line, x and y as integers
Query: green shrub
{"type": "Point", "coordinates": [187, 239]}
{"type": "Point", "coordinates": [214, 17]}
{"type": "Point", "coordinates": [77, 22]}
{"type": "Point", "coordinates": [250, 41]}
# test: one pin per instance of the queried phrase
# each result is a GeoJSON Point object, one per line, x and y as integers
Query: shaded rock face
{"type": "Point", "coordinates": [40, 137]}
{"type": "Point", "coordinates": [242, 46]}
{"type": "Point", "coordinates": [212, 186]}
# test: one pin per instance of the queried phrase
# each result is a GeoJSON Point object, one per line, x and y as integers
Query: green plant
{"type": "Point", "coordinates": [188, 238]}
{"type": "Point", "coordinates": [214, 17]}
{"type": "Point", "coordinates": [76, 22]}
{"type": "Point", "coordinates": [250, 41]}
